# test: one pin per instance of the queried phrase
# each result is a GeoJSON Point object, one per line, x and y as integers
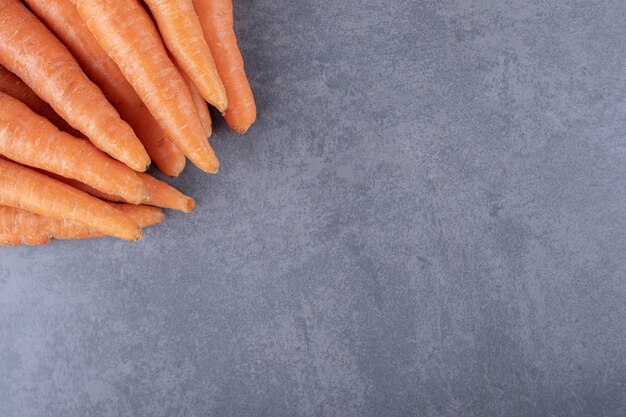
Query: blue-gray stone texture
{"type": "Point", "coordinates": [428, 219]}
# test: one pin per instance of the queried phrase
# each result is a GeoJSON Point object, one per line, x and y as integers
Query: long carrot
{"type": "Point", "coordinates": [62, 18]}
{"type": "Point", "coordinates": [30, 51]}
{"type": "Point", "coordinates": [161, 194]}
{"type": "Point", "coordinates": [24, 188]}
{"type": "Point", "coordinates": [19, 226]}
{"type": "Point", "coordinates": [144, 216]}
{"type": "Point", "coordinates": [216, 19]}
{"type": "Point", "coordinates": [32, 140]}
{"type": "Point", "coordinates": [182, 33]}
{"type": "Point", "coordinates": [125, 31]}
{"type": "Point", "coordinates": [13, 86]}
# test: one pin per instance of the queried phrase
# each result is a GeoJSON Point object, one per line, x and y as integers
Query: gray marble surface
{"type": "Point", "coordinates": [428, 219]}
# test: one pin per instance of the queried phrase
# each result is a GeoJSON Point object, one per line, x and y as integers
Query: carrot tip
{"type": "Point", "coordinates": [138, 235]}
{"type": "Point", "coordinates": [241, 129]}
{"type": "Point", "coordinates": [189, 205]}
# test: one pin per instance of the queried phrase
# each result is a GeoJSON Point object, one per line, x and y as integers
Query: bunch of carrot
{"type": "Point", "coordinates": [91, 92]}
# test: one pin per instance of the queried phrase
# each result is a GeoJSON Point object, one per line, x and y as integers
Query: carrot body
{"type": "Point", "coordinates": [32, 140]}
{"type": "Point", "coordinates": [216, 19]}
{"type": "Point", "coordinates": [63, 20]}
{"type": "Point", "coordinates": [24, 188]}
{"type": "Point", "coordinates": [125, 31]}
{"type": "Point", "coordinates": [201, 107]}
{"type": "Point", "coordinates": [13, 86]}
{"type": "Point", "coordinates": [144, 216]}
{"type": "Point", "coordinates": [161, 194]}
{"type": "Point", "coordinates": [182, 33]}
{"type": "Point", "coordinates": [19, 227]}
{"type": "Point", "coordinates": [33, 53]}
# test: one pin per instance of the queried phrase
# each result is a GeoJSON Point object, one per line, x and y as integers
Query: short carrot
{"type": "Point", "coordinates": [216, 19]}
{"type": "Point", "coordinates": [19, 226]}
{"type": "Point", "coordinates": [125, 31]}
{"type": "Point", "coordinates": [182, 34]}
{"type": "Point", "coordinates": [62, 18]}
{"type": "Point", "coordinates": [24, 188]}
{"type": "Point", "coordinates": [13, 86]}
{"type": "Point", "coordinates": [30, 51]}
{"type": "Point", "coordinates": [32, 140]}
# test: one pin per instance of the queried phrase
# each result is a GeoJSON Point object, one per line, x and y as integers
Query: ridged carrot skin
{"type": "Point", "coordinates": [201, 107]}
{"type": "Point", "coordinates": [24, 188]}
{"type": "Point", "coordinates": [161, 194]}
{"type": "Point", "coordinates": [32, 140]}
{"type": "Point", "coordinates": [20, 227]}
{"type": "Point", "coordinates": [62, 18]}
{"type": "Point", "coordinates": [144, 216]}
{"type": "Point", "coordinates": [182, 34]}
{"type": "Point", "coordinates": [216, 19]}
{"type": "Point", "coordinates": [13, 86]}
{"type": "Point", "coordinates": [30, 51]}
{"type": "Point", "coordinates": [126, 32]}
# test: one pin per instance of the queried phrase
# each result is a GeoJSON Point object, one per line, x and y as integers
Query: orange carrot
{"type": "Point", "coordinates": [24, 188]}
{"type": "Point", "coordinates": [216, 19]}
{"type": "Point", "coordinates": [161, 194]}
{"type": "Point", "coordinates": [182, 34]}
{"type": "Point", "coordinates": [30, 51]}
{"type": "Point", "coordinates": [13, 86]}
{"type": "Point", "coordinates": [32, 140]}
{"type": "Point", "coordinates": [201, 107]}
{"type": "Point", "coordinates": [125, 31]}
{"type": "Point", "coordinates": [18, 227]}
{"type": "Point", "coordinates": [62, 18]}
{"type": "Point", "coordinates": [144, 216]}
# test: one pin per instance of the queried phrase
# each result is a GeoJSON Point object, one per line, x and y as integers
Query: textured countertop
{"type": "Point", "coordinates": [428, 219]}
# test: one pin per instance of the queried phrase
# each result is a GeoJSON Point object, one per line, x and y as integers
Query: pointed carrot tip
{"type": "Point", "coordinates": [160, 218]}
{"type": "Point", "coordinates": [174, 170]}
{"type": "Point", "coordinates": [189, 205]}
{"type": "Point", "coordinates": [212, 166]}
{"type": "Point", "coordinates": [138, 235]}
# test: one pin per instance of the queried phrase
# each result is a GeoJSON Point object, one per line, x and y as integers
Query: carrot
{"type": "Point", "coordinates": [144, 216]}
{"type": "Point", "coordinates": [62, 18]}
{"type": "Point", "coordinates": [19, 226]}
{"type": "Point", "coordinates": [13, 86]}
{"type": "Point", "coordinates": [216, 19]}
{"type": "Point", "coordinates": [201, 107]}
{"type": "Point", "coordinates": [161, 194]}
{"type": "Point", "coordinates": [125, 31]}
{"type": "Point", "coordinates": [32, 140]}
{"type": "Point", "coordinates": [30, 51]}
{"type": "Point", "coordinates": [182, 34]}
{"type": "Point", "coordinates": [24, 188]}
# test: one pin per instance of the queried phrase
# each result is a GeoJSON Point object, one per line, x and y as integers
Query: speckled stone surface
{"type": "Point", "coordinates": [428, 219]}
